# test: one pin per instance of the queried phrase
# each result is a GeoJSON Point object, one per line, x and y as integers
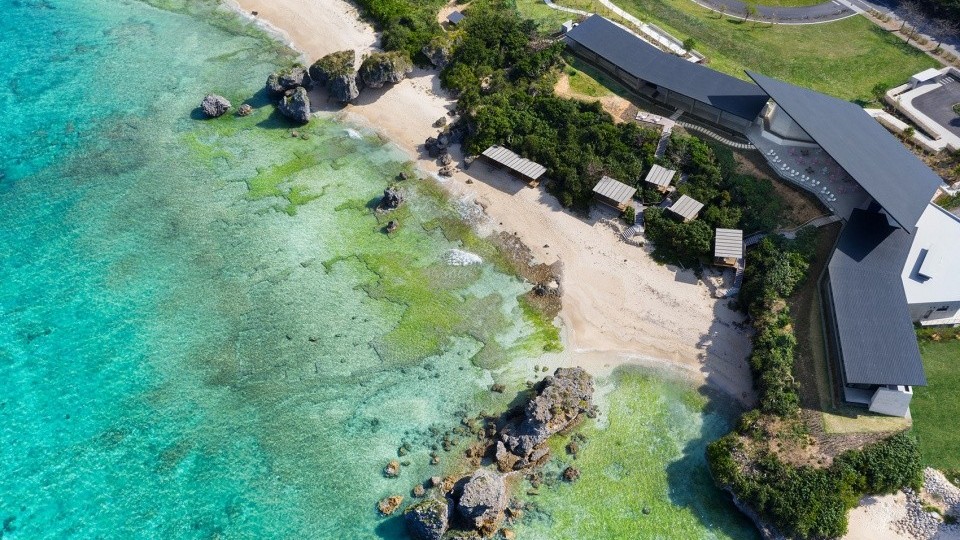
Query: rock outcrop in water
{"type": "Point", "coordinates": [288, 79]}
{"type": "Point", "coordinates": [215, 106]}
{"type": "Point", "coordinates": [392, 199]}
{"type": "Point", "coordinates": [429, 519]}
{"type": "Point", "coordinates": [561, 401]}
{"type": "Point", "coordinates": [296, 105]}
{"type": "Point", "coordinates": [483, 500]}
{"type": "Point", "coordinates": [385, 67]}
{"type": "Point", "coordinates": [337, 72]}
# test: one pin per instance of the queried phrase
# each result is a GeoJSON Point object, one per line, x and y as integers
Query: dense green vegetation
{"type": "Point", "coordinates": [935, 408]}
{"type": "Point", "coordinates": [407, 25]}
{"type": "Point", "coordinates": [775, 267]}
{"type": "Point", "coordinates": [502, 73]}
{"type": "Point", "coordinates": [731, 200]}
{"type": "Point", "coordinates": [812, 502]}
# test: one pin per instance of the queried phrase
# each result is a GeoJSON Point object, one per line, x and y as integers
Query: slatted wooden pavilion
{"type": "Point", "coordinates": [660, 178]}
{"type": "Point", "coordinates": [522, 168]}
{"type": "Point", "coordinates": [613, 193]}
{"type": "Point", "coordinates": [686, 208]}
{"type": "Point", "coordinates": [728, 247]}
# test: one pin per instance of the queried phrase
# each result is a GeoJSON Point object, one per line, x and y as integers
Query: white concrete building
{"type": "Point", "coordinates": [931, 275]}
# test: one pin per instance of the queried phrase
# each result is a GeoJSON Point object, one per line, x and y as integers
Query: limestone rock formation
{"type": "Point", "coordinates": [483, 500]}
{"type": "Point", "coordinates": [561, 399]}
{"type": "Point", "coordinates": [278, 83]}
{"type": "Point", "coordinates": [392, 470]}
{"type": "Point", "coordinates": [440, 50]}
{"type": "Point", "coordinates": [245, 110]}
{"type": "Point", "coordinates": [392, 198]}
{"type": "Point", "coordinates": [296, 105]}
{"type": "Point", "coordinates": [215, 106]}
{"type": "Point", "coordinates": [428, 519]}
{"type": "Point", "coordinates": [337, 71]}
{"type": "Point", "coordinates": [385, 67]}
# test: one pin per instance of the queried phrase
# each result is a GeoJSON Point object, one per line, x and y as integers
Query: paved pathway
{"type": "Point", "coordinates": [568, 10]}
{"type": "Point", "coordinates": [830, 11]}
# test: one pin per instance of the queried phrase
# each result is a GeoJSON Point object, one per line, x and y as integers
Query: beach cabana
{"type": "Point", "coordinates": [520, 167]}
{"type": "Point", "coordinates": [660, 178]}
{"type": "Point", "coordinates": [686, 208]}
{"type": "Point", "coordinates": [613, 193]}
{"type": "Point", "coordinates": [455, 18]}
{"type": "Point", "coordinates": [728, 247]}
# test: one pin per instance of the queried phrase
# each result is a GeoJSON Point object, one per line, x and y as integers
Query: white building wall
{"type": "Point", "coordinates": [781, 124]}
{"type": "Point", "coordinates": [892, 401]}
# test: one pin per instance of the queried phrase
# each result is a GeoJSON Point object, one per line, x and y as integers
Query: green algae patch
{"type": "Point", "coordinates": [643, 474]}
{"type": "Point", "coordinates": [546, 335]}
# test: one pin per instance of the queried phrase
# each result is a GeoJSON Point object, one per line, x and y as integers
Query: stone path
{"type": "Point", "coordinates": [716, 136]}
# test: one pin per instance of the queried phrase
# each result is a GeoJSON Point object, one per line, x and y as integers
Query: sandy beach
{"type": "Point", "coordinates": [619, 306]}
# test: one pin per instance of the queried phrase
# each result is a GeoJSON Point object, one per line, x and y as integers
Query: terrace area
{"type": "Point", "coordinates": [812, 169]}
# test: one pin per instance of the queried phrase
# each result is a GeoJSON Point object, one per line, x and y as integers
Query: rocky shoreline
{"type": "Point", "coordinates": [505, 449]}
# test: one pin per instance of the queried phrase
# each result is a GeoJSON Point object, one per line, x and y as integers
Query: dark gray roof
{"type": "Point", "coordinates": [642, 60]}
{"type": "Point", "coordinates": [877, 340]}
{"type": "Point", "coordinates": [890, 173]}
{"type": "Point", "coordinates": [455, 17]}
{"type": "Point", "coordinates": [614, 190]}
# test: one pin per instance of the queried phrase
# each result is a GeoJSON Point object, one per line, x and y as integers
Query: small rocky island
{"type": "Point", "coordinates": [507, 448]}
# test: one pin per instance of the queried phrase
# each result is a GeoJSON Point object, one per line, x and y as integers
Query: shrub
{"type": "Point", "coordinates": [956, 109]}
{"type": "Point", "coordinates": [630, 215]}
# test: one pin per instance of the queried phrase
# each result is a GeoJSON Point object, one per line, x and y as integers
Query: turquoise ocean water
{"type": "Point", "coordinates": [205, 333]}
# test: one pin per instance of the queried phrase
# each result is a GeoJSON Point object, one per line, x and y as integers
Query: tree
{"type": "Point", "coordinates": [879, 90]}
{"type": "Point", "coordinates": [956, 108]}
{"type": "Point", "coordinates": [943, 28]}
{"type": "Point", "coordinates": [689, 44]}
{"type": "Point", "coordinates": [912, 12]}
{"type": "Point", "coordinates": [749, 10]}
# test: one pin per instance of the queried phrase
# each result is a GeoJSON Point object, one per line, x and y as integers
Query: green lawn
{"type": "Point", "coordinates": [936, 408]}
{"type": "Point", "coordinates": [844, 58]}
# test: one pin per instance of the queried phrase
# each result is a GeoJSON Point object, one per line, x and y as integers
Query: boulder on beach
{"type": "Point", "coordinates": [337, 72]}
{"type": "Point", "coordinates": [215, 106]}
{"type": "Point", "coordinates": [287, 79]}
{"type": "Point", "coordinates": [296, 105]}
{"type": "Point", "coordinates": [385, 67]}
{"type": "Point", "coordinates": [428, 519]}
{"type": "Point", "coordinates": [561, 399]}
{"type": "Point", "coordinates": [483, 500]}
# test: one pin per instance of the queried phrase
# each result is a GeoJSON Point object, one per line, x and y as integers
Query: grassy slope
{"type": "Point", "coordinates": [845, 58]}
{"type": "Point", "coordinates": [936, 408]}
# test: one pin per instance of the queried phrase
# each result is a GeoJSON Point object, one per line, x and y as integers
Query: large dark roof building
{"type": "Point", "coordinates": [627, 52]}
{"type": "Point", "coordinates": [890, 173]}
{"type": "Point", "coordinates": [869, 325]}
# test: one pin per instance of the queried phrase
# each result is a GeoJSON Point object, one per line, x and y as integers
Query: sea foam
{"type": "Point", "coordinates": [458, 257]}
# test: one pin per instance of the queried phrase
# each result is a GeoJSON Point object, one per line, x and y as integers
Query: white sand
{"type": "Point", "coordinates": [619, 306]}
{"type": "Point", "coordinates": [874, 518]}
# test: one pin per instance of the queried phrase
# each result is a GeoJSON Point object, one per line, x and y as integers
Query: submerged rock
{"type": "Point", "coordinates": [215, 106]}
{"type": "Point", "coordinates": [392, 226]}
{"type": "Point", "coordinates": [385, 67]}
{"type": "Point", "coordinates": [245, 110]}
{"type": "Point", "coordinates": [392, 470]}
{"type": "Point", "coordinates": [571, 474]}
{"type": "Point", "coordinates": [336, 71]}
{"type": "Point", "coordinates": [278, 83]}
{"type": "Point", "coordinates": [389, 505]}
{"type": "Point", "coordinates": [428, 520]}
{"type": "Point", "coordinates": [483, 500]}
{"type": "Point", "coordinates": [296, 106]}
